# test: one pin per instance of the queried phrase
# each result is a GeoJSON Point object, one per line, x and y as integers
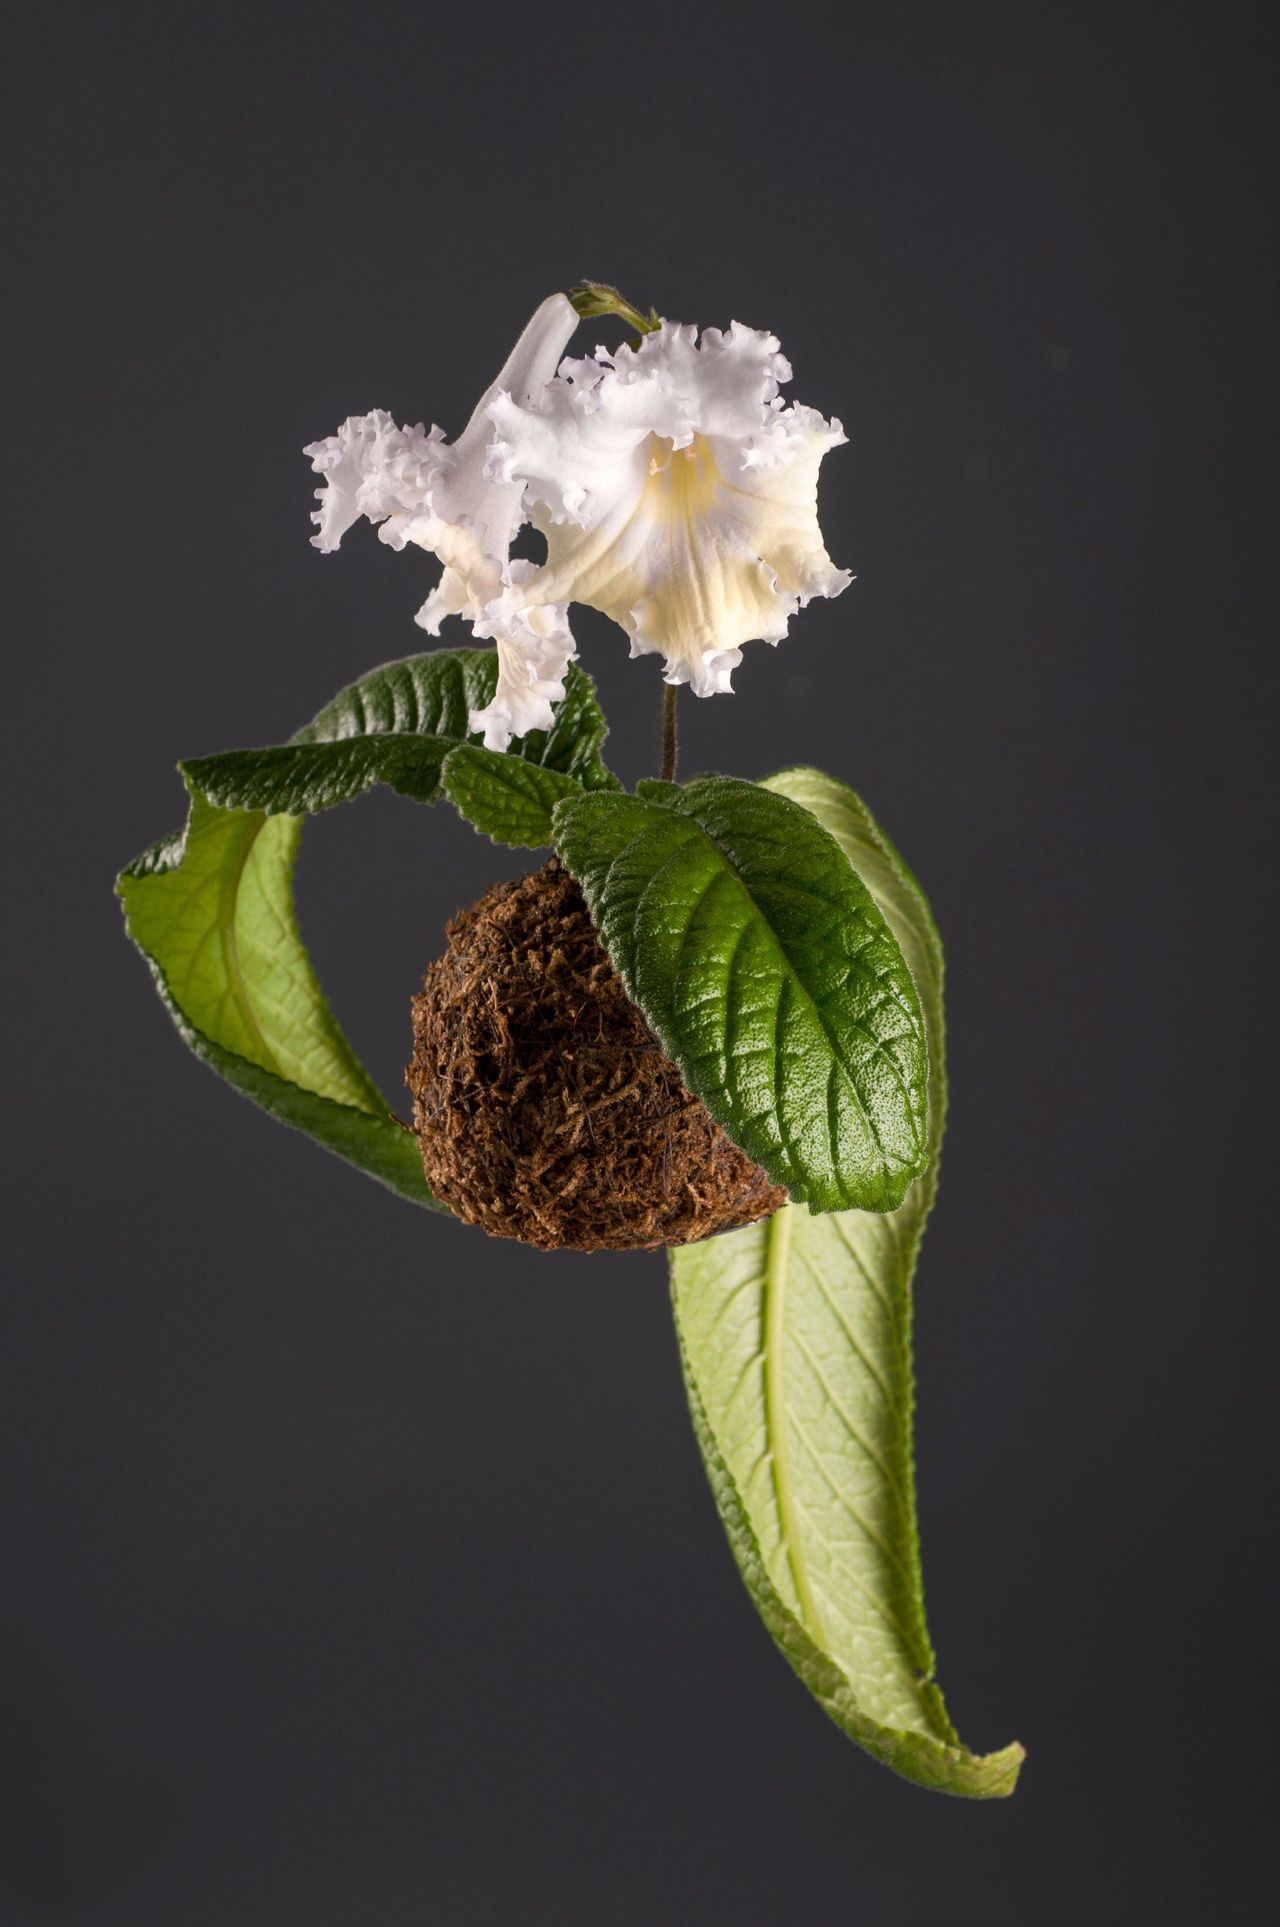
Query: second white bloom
{"type": "Point", "coordinates": [442, 497]}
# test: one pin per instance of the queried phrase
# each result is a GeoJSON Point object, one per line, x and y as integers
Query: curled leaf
{"type": "Point", "coordinates": [796, 1340]}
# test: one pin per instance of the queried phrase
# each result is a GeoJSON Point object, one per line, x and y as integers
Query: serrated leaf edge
{"type": "Point", "coordinates": [515, 771]}
{"type": "Point", "coordinates": [929, 1763]}
{"type": "Point", "coordinates": [817, 1199]}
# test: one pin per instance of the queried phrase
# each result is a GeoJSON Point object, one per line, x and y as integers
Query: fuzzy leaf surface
{"type": "Point", "coordinates": [505, 798]}
{"type": "Point", "coordinates": [761, 961]}
{"type": "Point", "coordinates": [795, 1336]}
{"type": "Point", "coordinates": [396, 726]}
{"type": "Point", "coordinates": [212, 912]}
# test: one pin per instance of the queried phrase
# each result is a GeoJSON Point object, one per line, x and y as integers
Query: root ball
{"type": "Point", "coordinates": [545, 1108]}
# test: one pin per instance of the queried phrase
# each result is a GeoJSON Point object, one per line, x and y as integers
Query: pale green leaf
{"type": "Point", "coordinates": [212, 909]}
{"type": "Point", "coordinates": [796, 1340]}
{"type": "Point", "coordinates": [212, 912]}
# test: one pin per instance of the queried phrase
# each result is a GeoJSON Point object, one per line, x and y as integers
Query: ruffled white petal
{"type": "Point", "coordinates": [450, 597]}
{"type": "Point", "coordinates": [467, 498]}
{"type": "Point", "coordinates": [372, 468]}
{"type": "Point", "coordinates": [535, 648]}
{"type": "Point", "coordinates": [677, 494]}
{"type": "Point", "coordinates": [676, 490]}
{"type": "Point", "coordinates": [420, 487]}
{"type": "Point", "coordinates": [442, 497]}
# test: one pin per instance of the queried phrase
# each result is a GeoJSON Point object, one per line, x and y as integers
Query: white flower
{"type": "Point", "coordinates": [443, 497]}
{"type": "Point", "coordinates": [677, 493]}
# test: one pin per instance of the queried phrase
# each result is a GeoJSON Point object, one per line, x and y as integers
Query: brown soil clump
{"type": "Point", "coordinates": [545, 1108]}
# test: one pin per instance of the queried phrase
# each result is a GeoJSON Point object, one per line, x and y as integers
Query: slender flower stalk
{"type": "Point", "coordinates": [670, 735]}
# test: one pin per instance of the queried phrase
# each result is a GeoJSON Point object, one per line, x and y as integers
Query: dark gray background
{"type": "Point", "coordinates": [358, 1569]}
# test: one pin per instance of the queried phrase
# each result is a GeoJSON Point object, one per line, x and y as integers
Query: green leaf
{"type": "Point", "coordinates": [396, 726]}
{"type": "Point", "coordinates": [796, 1341]}
{"type": "Point", "coordinates": [212, 912]}
{"type": "Point", "coordinates": [509, 800]}
{"type": "Point", "coordinates": [762, 963]}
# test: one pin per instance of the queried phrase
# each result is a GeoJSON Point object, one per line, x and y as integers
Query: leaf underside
{"type": "Point", "coordinates": [212, 909]}
{"type": "Point", "coordinates": [795, 1337]}
{"type": "Point", "coordinates": [770, 976]}
{"type": "Point", "coordinates": [212, 913]}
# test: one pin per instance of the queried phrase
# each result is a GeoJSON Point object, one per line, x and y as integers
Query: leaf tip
{"type": "Point", "coordinates": [996, 1774]}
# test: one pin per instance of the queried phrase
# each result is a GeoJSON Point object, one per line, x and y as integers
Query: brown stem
{"type": "Point", "coordinates": [669, 732]}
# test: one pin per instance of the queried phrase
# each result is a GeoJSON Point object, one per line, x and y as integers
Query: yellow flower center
{"type": "Point", "coordinates": [682, 483]}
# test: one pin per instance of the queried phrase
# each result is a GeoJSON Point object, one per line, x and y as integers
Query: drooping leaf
{"type": "Point", "coordinates": [762, 962]}
{"type": "Point", "coordinates": [396, 726]}
{"type": "Point", "coordinates": [212, 909]}
{"type": "Point", "coordinates": [212, 912]}
{"type": "Point", "coordinates": [796, 1341]}
{"type": "Point", "coordinates": [509, 800]}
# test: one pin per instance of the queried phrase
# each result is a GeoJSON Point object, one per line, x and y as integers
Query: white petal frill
{"type": "Point", "coordinates": [535, 647]}
{"type": "Point", "coordinates": [372, 468]}
{"type": "Point", "coordinates": [677, 493]}
{"type": "Point", "coordinates": [441, 496]}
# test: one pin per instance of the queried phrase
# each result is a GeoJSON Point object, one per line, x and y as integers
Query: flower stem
{"type": "Point", "coordinates": [669, 741]}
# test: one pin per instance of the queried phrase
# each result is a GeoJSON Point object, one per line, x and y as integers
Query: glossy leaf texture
{"type": "Point", "coordinates": [396, 726]}
{"type": "Point", "coordinates": [212, 912]}
{"type": "Point", "coordinates": [796, 1341]}
{"type": "Point", "coordinates": [761, 961]}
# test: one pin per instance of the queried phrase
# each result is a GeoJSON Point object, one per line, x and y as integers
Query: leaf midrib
{"type": "Point", "coordinates": [837, 1051]}
{"type": "Point", "coordinates": [230, 945]}
{"type": "Point", "coordinates": [377, 758]}
{"type": "Point", "coordinates": [777, 1248]}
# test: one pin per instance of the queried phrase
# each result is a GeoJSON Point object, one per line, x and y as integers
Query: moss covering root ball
{"type": "Point", "coordinates": [545, 1108]}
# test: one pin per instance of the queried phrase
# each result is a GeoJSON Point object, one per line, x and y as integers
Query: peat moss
{"type": "Point", "coordinates": [545, 1108]}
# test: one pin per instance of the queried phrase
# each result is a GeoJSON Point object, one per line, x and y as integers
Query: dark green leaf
{"type": "Point", "coordinates": [796, 1340]}
{"type": "Point", "coordinates": [764, 966]}
{"type": "Point", "coordinates": [507, 799]}
{"type": "Point", "coordinates": [212, 912]}
{"type": "Point", "coordinates": [396, 726]}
